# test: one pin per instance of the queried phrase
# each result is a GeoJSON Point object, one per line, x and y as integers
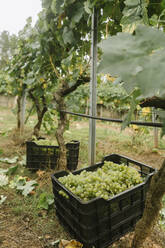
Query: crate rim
{"type": "Point", "coordinates": [44, 146]}
{"type": "Point", "coordinates": [51, 146]}
{"type": "Point", "coordinates": [125, 192]}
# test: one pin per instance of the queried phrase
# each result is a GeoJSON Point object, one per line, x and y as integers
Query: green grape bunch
{"type": "Point", "coordinates": [105, 182]}
{"type": "Point", "coordinates": [46, 142]}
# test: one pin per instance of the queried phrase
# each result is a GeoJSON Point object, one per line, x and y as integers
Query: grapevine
{"type": "Point", "coordinates": [105, 182]}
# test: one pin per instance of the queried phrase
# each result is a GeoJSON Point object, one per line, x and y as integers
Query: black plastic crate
{"type": "Point", "coordinates": [100, 222]}
{"type": "Point", "coordinates": [42, 156]}
{"type": "Point", "coordinates": [72, 154]}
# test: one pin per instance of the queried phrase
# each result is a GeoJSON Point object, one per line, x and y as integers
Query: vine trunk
{"type": "Point", "coordinates": [153, 206]}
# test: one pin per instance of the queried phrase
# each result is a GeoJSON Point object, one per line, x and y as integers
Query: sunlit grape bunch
{"type": "Point", "coordinates": [105, 182]}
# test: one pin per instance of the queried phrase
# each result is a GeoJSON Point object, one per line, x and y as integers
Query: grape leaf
{"type": "Point", "coordinates": [138, 59]}
{"type": "Point", "coordinates": [3, 180]}
{"type": "Point", "coordinates": [88, 6]}
{"type": "Point", "coordinates": [134, 13]}
{"type": "Point", "coordinates": [3, 171]}
{"type": "Point", "coordinates": [46, 3]}
{"type": "Point", "coordinates": [128, 117]}
{"type": "Point", "coordinates": [68, 36]}
{"type": "Point", "coordinates": [77, 13]}
{"type": "Point", "coordinates": [45, 201]}
{"type": "Point", "coordinates": [8, 160]}
{"type": "Point", "coordinates": [17, 181]}
{"type": "Point", "coordinates": [56, 6]}
{"type": "Point", "coordinates": [2, 199]}
{"type": "Point", "coordinates": [28, 187]}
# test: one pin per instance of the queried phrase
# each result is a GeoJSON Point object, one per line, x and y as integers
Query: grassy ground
{"type": "Point", "coordinates": [22, 222]}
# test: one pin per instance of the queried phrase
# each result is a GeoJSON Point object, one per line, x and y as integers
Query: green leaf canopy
{"type": "Point", "coordinates": [138, 59]}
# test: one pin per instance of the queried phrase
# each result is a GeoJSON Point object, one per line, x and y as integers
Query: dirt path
{"type": "Point", "coordinates": [16, 232]}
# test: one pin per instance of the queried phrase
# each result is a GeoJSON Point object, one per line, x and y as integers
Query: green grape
{"type": "Point", "coordinates": [61, 192]}
{"type": "Point", "coordinates": [105, 182]}
{"type": "Point", "coordinates": [44, 142]}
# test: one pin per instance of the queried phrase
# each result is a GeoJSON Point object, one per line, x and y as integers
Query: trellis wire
{"type": "Point", "coordinates": [140, 123]}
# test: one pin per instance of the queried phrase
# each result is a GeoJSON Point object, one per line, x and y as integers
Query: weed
{"type": "Point", "coordinates": [17, 211]}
